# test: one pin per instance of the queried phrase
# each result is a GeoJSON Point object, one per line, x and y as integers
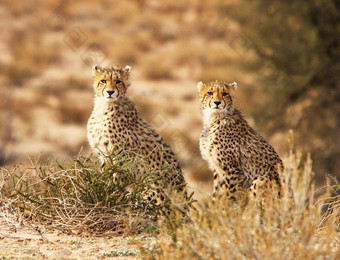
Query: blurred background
{"type": "Point", "coordinates": [285, 56]}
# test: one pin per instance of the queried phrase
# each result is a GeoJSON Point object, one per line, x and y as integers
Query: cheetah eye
{"type": "Point", "coordinates": [224, 94]}
{"type": "Point", "coordinates": [210, 93]}
{"type": "Point", "coordinates": [103, 81]}
{"type": "Point", "coordinates": [118, 82]}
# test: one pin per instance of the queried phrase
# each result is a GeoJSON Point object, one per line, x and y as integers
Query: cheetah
{"type": "Point", "coordinates": [116, 126]}
{"type": "Point", "coordinates": [240, 158]}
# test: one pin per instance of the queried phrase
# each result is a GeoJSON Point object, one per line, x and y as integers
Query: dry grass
{"type": "Point", "coordinates": [294, 227]}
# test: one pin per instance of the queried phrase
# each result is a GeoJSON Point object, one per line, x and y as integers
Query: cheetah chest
{"type": "Point", "coordinates": [207, 147]}
{"type": "Point", "coordinates": [110, 132]}
{"type": "Point", "coordinates": [204, 144]}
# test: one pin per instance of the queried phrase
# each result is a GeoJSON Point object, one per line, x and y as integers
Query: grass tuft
{"type": "Point", "coordinates": [293, 227]}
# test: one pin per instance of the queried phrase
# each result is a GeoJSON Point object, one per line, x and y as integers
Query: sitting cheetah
{"type": "Point", "coordinates": [238, 156]}
{"type": "Point", "coordinates": [115, 125]}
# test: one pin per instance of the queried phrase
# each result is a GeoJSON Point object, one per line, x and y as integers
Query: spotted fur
{"type": "Point", "coordinates": [115, 125]}
{"type": "Point", "coordinates": [239, 157]}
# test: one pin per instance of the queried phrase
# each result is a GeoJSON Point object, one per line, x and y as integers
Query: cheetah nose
{"type": "Point", "coordinates": [110, 92]}
{"type": "Point", "coordinates": [217, 103]}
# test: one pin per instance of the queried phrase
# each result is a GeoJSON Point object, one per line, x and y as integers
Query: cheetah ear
{"type": "Point", "coordinates": [233, 85]}
{"type": "Point", "coordinates": [95, 70]}
{"type": "Point", "coordinates": [199, 86]}
{"type": "Point", "coordinates": [126, 70]}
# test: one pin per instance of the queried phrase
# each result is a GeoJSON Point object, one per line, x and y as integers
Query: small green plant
{"type": "Point", "coordinates": [120, 252]}
{"type": "Point", "coordinates": [81, 196]}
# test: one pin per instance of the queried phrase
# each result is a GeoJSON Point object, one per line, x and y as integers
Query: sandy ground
{"type": "Point", "coordinates": [31, 242]}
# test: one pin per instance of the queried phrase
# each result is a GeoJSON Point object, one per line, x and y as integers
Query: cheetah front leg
{"type": "Point", "coordinates": [265, 191]}
{"type": "Point", "coordinates": [227, 185]}
{"type": "Point", "coordinates": [265, 188]}
{"type": "Point", "coordinates": [105, 165]}
{"type": "Point", "coordinates": [226, 182]}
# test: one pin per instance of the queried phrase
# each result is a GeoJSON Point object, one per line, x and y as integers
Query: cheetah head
{"type": "Point", "coordinates": [217, 96]}
{"type": "Point", "coordinates": [110, 83]}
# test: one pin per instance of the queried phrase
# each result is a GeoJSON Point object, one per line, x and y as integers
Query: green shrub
{"type": "Point", "coordinates": [81, 196]}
